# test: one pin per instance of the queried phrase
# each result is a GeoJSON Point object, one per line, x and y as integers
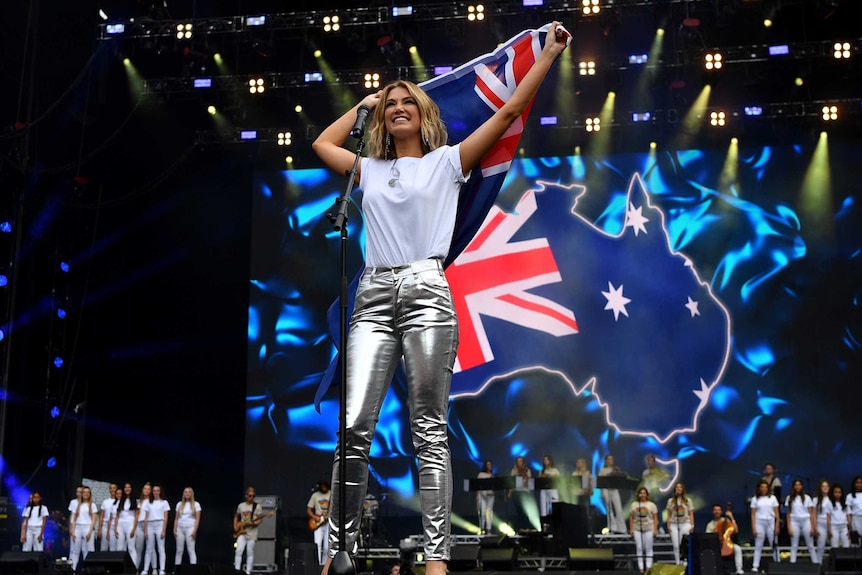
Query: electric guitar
{"type": "Point", "coordinates": [244, 527]}
{"type": "Point", "coordinates": [313, 525]}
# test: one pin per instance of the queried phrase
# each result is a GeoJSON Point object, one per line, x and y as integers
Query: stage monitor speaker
{"type": "Point", "coordinates": [572, 523]}
{"type": "Point", "coordinates": [14, 562]}
{"type": "Point", "coordinates": [302, 559]}
{"type": "Point", "coordinates": [591, 559]}
{"type": "Point", "coordinates": [846, 559]}
{"type": "Point", "coordinates": [464, 557]}
{"type": "Point", "coordinates": [704, 554]}
{"type": "Point", "coordinates": [793, 569]}
{"type": "Point", "coordinates": [108, 563]}
{"type": "Point", "coordinates": [666, 569]}
{"type": "Point", "coordinates": [498, 559]}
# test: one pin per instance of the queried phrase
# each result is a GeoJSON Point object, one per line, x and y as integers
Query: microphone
{"type": "Point", "coordinates": [359, 125]}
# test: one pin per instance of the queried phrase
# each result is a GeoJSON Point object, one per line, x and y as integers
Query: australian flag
{"type": "Point", "coordinates": [467, 97]}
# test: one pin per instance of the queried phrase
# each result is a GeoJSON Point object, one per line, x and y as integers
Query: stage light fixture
{"type": "Point", "coordinates": [440, 70]}
{"type": "Point", "coordinates": [102, 15]}
{"type": "Point", "coordinates": [593, 124]}
{"type": "Point", "coordinates": [533, 2]}
{"type": "Point", "coordinates": [841, 50]}
{"type": "Point", "coordinates": [298, 108]}
{"type": "Point", "coordinates": [203, 82]}
{"type": "Point", "coordinates": [402, 11]}
{"type": "Point", "coordinates": [58, 362]}
{"type": "Point", "coordinates": [255, 20]}
{"type": "Point", "coordinates": [6, 227]}
{"type": "Point", "coordinates": [211, 110]}
{"type": "Point", "coordinates": [713, 61]}
{"type": "Point", "coordinates": [476, 13]}
{"type": "Point", "coordinates": [717, 119]}
{"type": "Point", "coordinates": [61, 313]}
{"type": "Point", "coordinates": [372, 80]}
{"type": "Point", "coordinates": [318, 53]}
{"type": "Point", "coordinates": [64, 267]}
{"type": "Point", "coordinates": [753, 111]}
{"type": "Point", "coordinates": [52, 462]}
{"type": "Point", "coordinates": [114, 29]}
{"type": "Point", "coordinates": [642, 117]}
{"type": "Point", "coordinates": [288, 160]}
{"type": "Point", "coordinates": [638, 59]}
{"type": "Point", "coordinates": [767, 22]}
{"type": "Point", "coordinates": [799, 81]}
{"type": "Point", "coordinates": [184, 31]}
{"type": "Point", "coordinates": [313, 77]}
{"type": "Point", "coordinates": [4, 280]}
{"type": "Point", "coordinates": [779, 50]}
{"type": "Point", "coordinates": [829, 113]}
{"type": "Point", "coordinates": [256, 86]}
{"type": "Point", "coordinates": [548, 121]}
{"type": "Point", "coordinates": [55, 412]}
{"type": "Point", "coordinates": [284, 139]}
{"type": "Point", "coordinates": [248, 135]}
{"type": "Point", "coordinates": [218, 59]}
{"type": "Point", "coordinates": [590, 7]}
{"type": "Point", "coordinates": [331, 23]}
{"type": "Point", "coordinates": [587, 68]}
{"type": "Point", "coordinates": [653, 145]}
{"type": "Point", "coordinates": [413, 49]}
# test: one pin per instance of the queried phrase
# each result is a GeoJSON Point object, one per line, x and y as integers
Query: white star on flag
{"type": "Point", "coordinates": [692, 307]}
{"type": "Point", "coordinates": [635, 219]}
{"type": "Point", "coordinates": [616, 301]}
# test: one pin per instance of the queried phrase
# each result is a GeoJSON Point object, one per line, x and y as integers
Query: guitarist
{"type": "Point", "coordinates": [724, 525]}
{"type": "Point", "coordinates": [318, 515]}
{"type": "Point", "coordinates": [245, 522]}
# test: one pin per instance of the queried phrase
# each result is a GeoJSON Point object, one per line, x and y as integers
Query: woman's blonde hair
{"type": "Point", "coordinates": [432, 133]}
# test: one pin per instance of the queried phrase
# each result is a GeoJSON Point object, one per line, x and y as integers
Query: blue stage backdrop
{"type": "Point", "coordinates": [702, 306]}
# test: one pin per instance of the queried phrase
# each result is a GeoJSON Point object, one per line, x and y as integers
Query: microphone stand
{"type": "Point", "coordinates": [342, 564]}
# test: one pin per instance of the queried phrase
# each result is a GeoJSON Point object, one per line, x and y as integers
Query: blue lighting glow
{"type": "Point", "coordinates": [58, 361]}
{"type": "Point", "coordinates": [533, 2]}
{"type": "Point", "coordinates": [753, 111]}
{"type": "Point", "coordinates": [248, 135]}
{"type": "Point", "coordinates": [313, 77]}
{"type": "Point", "coordinates": [5, 227]}
{"type": "Point", "coordinates": [255, 20]}
{"type": "Point", "coordinates": [64, 267]}
{"type": "Point", "coordinates": [2, 334]}
{"type": "Point", "coordinates": [440, 70]}
{"type": "Point", "coordinates": [642, 117]}
{"type": "Point", "coordinates": [55, 412]}
{"type": "Point", "coordinates": [52, 462]}
{"type": "Point", "coordinates": [402, 10]}
{"type": "Point", "coordinates": [61, 313]}
{"type": "Point", "coordinates": [779, 50]}
{"type": "Point", "coordinates": [548, 121]}
{"type": "Point", "coordinates": [203, 82]}
{"type": "Point", "coordinates": [638, 59]}
{"type": "Point", "coordinates": [115, 28]}
{"type": "Point", "coordinates": [4, 280]}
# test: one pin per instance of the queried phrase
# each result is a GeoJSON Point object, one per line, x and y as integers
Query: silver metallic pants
{"type": "Point", "coordinates": [400, 311]}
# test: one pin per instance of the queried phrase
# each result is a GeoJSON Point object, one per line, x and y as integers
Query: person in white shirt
{"type": "Point", "coordinates": [838, 527]}
{"type": "Point", "coordinates": [547, 497]}
{"type": "Point", "coordinates": [186, 523]}
{"type": "Point", "coordinates": [772, 480]}
{"type": "Point", "coordinates": [317, 510]}
{"type": "Point", "coordinates": [246, 520]}
{"type": "Point", "coordinates": [83, 524]}
{"type": "Point", "coordinates": [485, 500]}
{"type": "Point", "coordinates": [611, 497]}
{"type": "Point", "coordinates": [800, 520]}
{"type": "Point", "coordinates": [156, 527]}
{"type": "Point", "coordinates": [141, 533]}
{"type": "Point", "coordinates": [73, 506]}
{"type": "Point", "coordinates": [35, 516]}
{"type": "Point", "coordinates": [822, 512]}
{"type": "Point", "coordinates": [854, 510]}
{"type": "Point", "coordinates": [725, 526]}
{"type": "Point", "coordinates": [106, 540]}
{"type": "Point", "coordinates": [643, 522]}
{"type": "Point", "coordinates": [764, 520]}
{"type": "Point", "coordinates": [680, 518]}
{"type": "Point", "coordinates": [583, 490]}
{"type": "Point", "coordinates": [126, 523]}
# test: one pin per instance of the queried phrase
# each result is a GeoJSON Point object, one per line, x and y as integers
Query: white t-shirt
{"type": "Point", "coordinates": [838, 513]}
{"type": "Point", "coordinates": [642, 514]}
{"type": "Point", "coordinates": [319, 502]}
{"type": "Point", "coordinates": [127, 514]}
{"type": "Point", "coordinates": [854, 504]}
{"type": "Point", "coordinates": [764, 506]}
{"type": "Point", "coordinates": [186, 516]}
{"type": "Point", "coordinates": [143, 510]}
{"type": "Point", "coordinates": [73, 506]}
{"type": "Point", "coordinates": [799, 508]}
{"type": "Point", "coordinates": [34, 516]}
{"type": "Point", "coordinates": [413, 218]}
{"type": "Point", "coordinates": [157, 510]}
{"type": "Point", "coordinates": [85, 513]}
{"type": "Point", "coordinates": [823, 510]}
{"type": "Point", "coordinates": [108, 510]}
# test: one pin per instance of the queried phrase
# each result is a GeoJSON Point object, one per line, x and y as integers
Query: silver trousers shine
{"type": "Point", "coordinates": [400, 311]}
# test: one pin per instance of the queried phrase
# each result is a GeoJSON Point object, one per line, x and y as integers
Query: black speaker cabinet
{"type": "Point", "coordinates": [109, 563]}
{"type": "Point", "coordinates": [302, 559]}
{"type": "Point", "coordinates": [572, 523]}
{"type": "Point", "coordinates": [793, 569]}
{"type": "Point", "coordinates": [704, 554]}
{"type": "Point", "coordinates": [464, 557]}
{"type": "Point", "coordinates": [846, 559]}
{"type": "Point", "coordinates": [498, 559]}
{"type": "Point", "coordinates": [591, 559]}
{"type": "Point", "coordinates": [14, 562]}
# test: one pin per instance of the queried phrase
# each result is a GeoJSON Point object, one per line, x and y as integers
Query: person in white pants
{"type": "Point", "coordinates": [800, 520]}
{"type": "Point", "coordinates": [317, 510]}
{"type": "Point", "coordinates": [107, 541]}
{"type": "Point", "coordinates": [485, 500]}
{"type": "Point", "coordinates": [245, 522]}
{"type": "Point", "coordinates": [611, 497]}
{"type": "Point", "coordinates": [680, 518]}
{"type": "Point", "coordinates": [643, 523]}
{"type": "Point", "coordinates": [126, 523]}
{"type": "Point", "coordinates": [764, 520]}
{"type": "Point", "coordinates": [854, 509]}
{"type": "Point", "coordinates": [156, 526]}
{"type": "Point", "coordinates": [822, 512]}
{"type": "Point", "coordinates": [547, 497]}
{"type": "Point", "coordinates": [724, 525]}
{"type": "Point", "coordinates": [83, 523]}
{"type": "Point", "coordinates": [186, 523]}
{"type": "Point", "coordinates": [838, 527]}
{"type": "Point", "coordinates": [35, 516]}
{"type": "Point", "coordinates": [141, 531]}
